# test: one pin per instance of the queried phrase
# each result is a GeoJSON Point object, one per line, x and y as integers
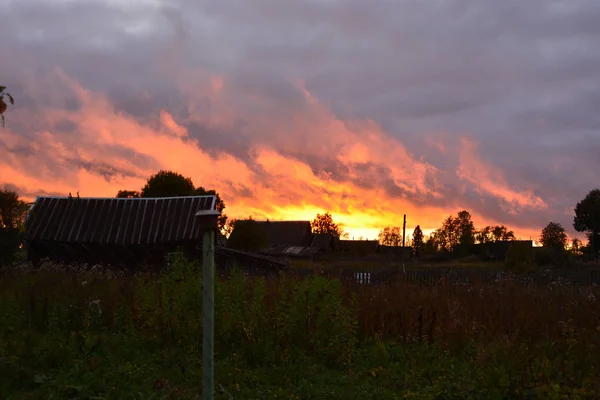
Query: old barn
{"type": "Point", "coordinates": [117, 231]}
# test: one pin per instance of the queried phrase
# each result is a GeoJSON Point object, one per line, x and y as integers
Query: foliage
{"type": "Point", "coordinates": [3, 105]}
{"type": "Point", "coordinates": [128, 194]}
{"type": "Point", "coordinates": [519, 257]}
{"type": "Point", "coordinates": [12, 209]}
{"type": "Point", "coordinates": [549, 257]}
{"type": "Point", "coordinates": [494, 233]}
{"type": "Point", "coordinates": [168, 184]}
{"type": "Point", "coordinates": [417, 241]}
{"type": "Point", "coordinates": [576, 246]}
{"type": "Point", "coordinates": [554, 236]}
{"type": "Point", "coordinates": [91, 334]}
{"type": "Point", "coordinates": [173, 184]}
{"type": "Point", "coordinates": [432, 244]}
{"type": "Point", "coordinates": [457, 234]}
{"type": "Point", "coordinates": [323, 223]}
{"type": "Point", "coordinates": [390, 236]}
{"type": "Point", "coordinates": [12, 217]}
{"type": "Point", "coordinates": [247, 235]}
{"type": "Point", "coordinates": [587, 217]}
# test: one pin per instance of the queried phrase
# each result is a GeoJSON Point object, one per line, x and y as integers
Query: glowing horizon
{"type": "Point", "coordinates": [285, 124]}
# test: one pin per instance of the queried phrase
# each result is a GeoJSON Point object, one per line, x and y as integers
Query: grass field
{"type": "Point", "coordinates": [69, 333]}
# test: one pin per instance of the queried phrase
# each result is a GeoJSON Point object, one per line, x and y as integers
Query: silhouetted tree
{"type": "Point", "coordinates": [168, 184]}
{"type": "Point", "coordinates": [247, 235]}
{"type": "Point", "coordinates": [494, 234]}
{"type": "Point", "coordinates": [12, 217]}
{"type": "Point", "coordinates": [128, 194]}
{"type": "Point", "coordinates": [466, 231]}
{"type": "Point", "coordinates": [433, 244]}
{"type": "Point", "coordinates": [390, 236]}
{"type": "Point", "coordinates": [484, 235]}
{"type": "Point", "coordinates": [554, 236]}
{"type": "Point", "coordinates": [576, 246]}
{"type": "Point", "coordinates": [501, 233]}
{"type": "Point", "coordinates": [3, 105]}
{"type": "Point", "coordinates": [417, 241]}
{"type": "Point", "coordinates": [172, 184]}
{"type": "Point", "coordinates": [12, 209]}
{"type": "Point", "coordinates": [447, 235]}
{"type": "Point", "coordinates": [456, 233]}
{"type": "Point", "coordinates": [323, 223]}
{"type": "Point", "coordinates": [587, 218]}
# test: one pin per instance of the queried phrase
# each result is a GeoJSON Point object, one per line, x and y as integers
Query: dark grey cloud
{"type": "Point", "coordinates": [27, 192]}
{"type": "Point", "coordinates": [520, 78]}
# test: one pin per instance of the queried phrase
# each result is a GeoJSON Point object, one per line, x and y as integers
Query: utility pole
{"type": "Point", "coordinates": [404, 231]}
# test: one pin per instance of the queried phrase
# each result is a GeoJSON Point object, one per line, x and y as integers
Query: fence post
{"type": "Point", "coordinates": [208, 312]}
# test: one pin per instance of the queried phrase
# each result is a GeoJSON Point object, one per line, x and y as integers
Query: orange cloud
{"type": "Point", "coordinates": [108, 151]}
{"type": "Point", "coordinates": [492, 182]}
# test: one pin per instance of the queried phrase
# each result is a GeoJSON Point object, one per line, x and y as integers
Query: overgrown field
{"type": "Point", "coordinates": [68, 333]}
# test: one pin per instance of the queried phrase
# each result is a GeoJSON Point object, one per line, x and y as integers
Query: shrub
{"type": "Point", "coordinates": [546, 257]}
{"type": "Point", "coordinates": [519, 257]}
{"type": "Point", "coordinates": [10, 239]}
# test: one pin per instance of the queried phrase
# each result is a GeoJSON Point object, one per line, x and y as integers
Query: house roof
{"type": "Point", "coordinates": [259, 257]}
{"type": "Point", "coordinates": [322, 241]}
{"type": "Point", "coordinates": [292, 251]}
{"type": "Point", "coordinates": [287, 233]}
{"type": "Point", "coordinates": [118, 220]}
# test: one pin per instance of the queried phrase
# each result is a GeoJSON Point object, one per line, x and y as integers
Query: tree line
{"type": "Point", "coordinates": [456, 235]}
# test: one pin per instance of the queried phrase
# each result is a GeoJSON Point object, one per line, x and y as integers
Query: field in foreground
{"type": "Point", "coordinates": [68, 333]}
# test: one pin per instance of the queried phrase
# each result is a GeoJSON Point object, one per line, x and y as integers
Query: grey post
{"type": "Point", "coordinates": [208, 314]}
{"type": "Point", "coordinates": [208, 304]}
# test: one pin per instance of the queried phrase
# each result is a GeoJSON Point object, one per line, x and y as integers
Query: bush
{"type": "Point", "coordinates": [546, 257]}
{"type": "Point", "coordinates": [519, 257]}
{"type": "Point", "coordinates": [10, 239]}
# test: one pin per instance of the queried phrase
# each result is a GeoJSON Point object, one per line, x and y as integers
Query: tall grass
{"type": "Point", "coordinates": [521, 336]}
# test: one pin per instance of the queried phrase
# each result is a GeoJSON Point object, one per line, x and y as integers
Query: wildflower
{"type": "Point", "coordinates": [97, 304]}
{"type": "Point", "coordinates": [591, 297]}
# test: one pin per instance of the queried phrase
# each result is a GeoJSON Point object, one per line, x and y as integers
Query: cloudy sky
{"type": "Point", "coordinates": [367, 108]}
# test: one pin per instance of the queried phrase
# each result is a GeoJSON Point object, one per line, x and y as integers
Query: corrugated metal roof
{"type": "Point", "coordinates": [117, 220]}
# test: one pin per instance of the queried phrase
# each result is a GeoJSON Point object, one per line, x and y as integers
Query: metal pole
{"type": "Point", "coordinates": [404, 231]}
{"type": "Point", "coordinates": [208, 315]}
{"type": "Point", "coordinates": [593, 241]}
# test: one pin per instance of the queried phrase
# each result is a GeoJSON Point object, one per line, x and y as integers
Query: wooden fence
{"type": "Point", "coordinates": [580, 276]}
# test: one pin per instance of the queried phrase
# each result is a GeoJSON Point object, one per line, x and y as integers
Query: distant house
{"type": "Point", "coordinates": [287, 233]}
{"type": "Point", "coordinates": [325, 242]}
{"type": "Point", "coordinates": [279, 233]}
{"type": "Point", "coordinates": [396, 252]}
{"type": "Point", "coordinates": [255, 264]}
{"type": "Point", "coordinates": [497, 250]}
{"type": "Point", "coordinates": [357, 247]}
{"type": "Point", "coordinates": [117, 231]}
{"type": "Point", "coordinates": [293, 239]}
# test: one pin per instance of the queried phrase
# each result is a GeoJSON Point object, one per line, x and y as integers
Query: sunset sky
{"type": "Point", "coordinates": [370, 109]}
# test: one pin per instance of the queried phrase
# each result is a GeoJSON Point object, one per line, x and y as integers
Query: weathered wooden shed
{"type": "Point", "coordinates": [117, 231]}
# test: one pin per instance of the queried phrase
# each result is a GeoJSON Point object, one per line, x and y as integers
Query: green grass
{"type": "Point", "coordinates": [85, 335]}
